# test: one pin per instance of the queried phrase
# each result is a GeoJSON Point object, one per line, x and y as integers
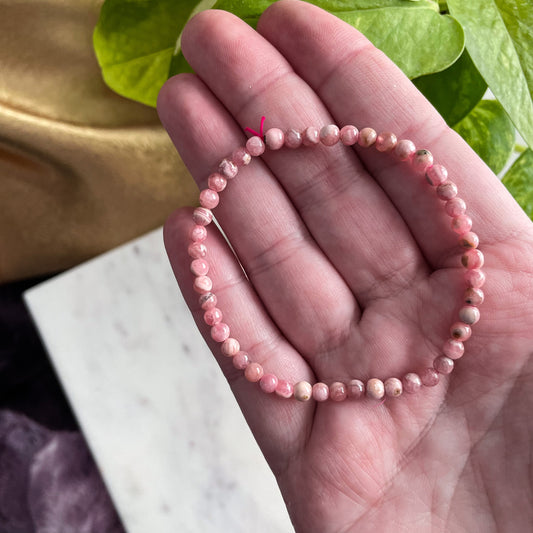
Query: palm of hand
{"type": "Point", "coordinates": [425, 462]}
{"type": "Point", "coordinates": [356, 275]}
{"type": "Point", "coordinates": [418, 461]}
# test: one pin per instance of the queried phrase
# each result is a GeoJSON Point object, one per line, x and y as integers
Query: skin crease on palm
{"type": "Point", "coordinates": [352, 271]}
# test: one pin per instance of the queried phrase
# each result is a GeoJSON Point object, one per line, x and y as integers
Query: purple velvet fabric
{"type": "Point", "coordinates": [66, 493]}
{"type": "Point", "coordinates": [48, 480]}
{"type": "Point", "coordinates": [20, 440]}
{"type": "Point", "coordinates": [28, 383]}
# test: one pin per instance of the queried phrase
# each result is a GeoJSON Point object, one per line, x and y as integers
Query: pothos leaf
{"type": "Point", "coordinates": [498, 38]}
{"type": "Point", "coordinates": [488, 130]}
{"type": "Point", "coordinates": [519, 181]}
{"type": "Point", "coordinates": [137, 43]}
{"type": "Point", "coordinates": [134, 43]}
{"type": "Point", "coordinates": [455, 91]}
{"type": "Point", "coordinates": [419, 41]}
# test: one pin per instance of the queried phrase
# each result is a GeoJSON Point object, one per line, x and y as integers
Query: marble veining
{"type": "Point", "coordinates": [136, 372]}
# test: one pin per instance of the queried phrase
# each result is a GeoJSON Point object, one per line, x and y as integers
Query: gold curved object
{"type": "Point", "coordinates": [81, 168]}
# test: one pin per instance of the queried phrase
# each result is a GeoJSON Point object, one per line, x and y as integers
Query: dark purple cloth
{"type": "Point", "coordinates": [28, 383]}
{"type": "Point", "coordinates": [49, 482]}
{"type": "Point", "coordinates": [66, 493]}
{"type": "Point", "coordinates": [20, 440]}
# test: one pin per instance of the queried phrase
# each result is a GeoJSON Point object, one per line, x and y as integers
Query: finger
{"type": "Point", "coordinates": [267, 414]}
{"type": "Point", "coordinates": [348, 215]}
{"type": "Point", "coordinates": [354, 79]}
{"type": "Point", "coordinates": [296, 282]}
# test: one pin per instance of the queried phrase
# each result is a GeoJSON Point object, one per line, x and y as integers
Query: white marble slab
{"type": "Point", "coordinates": [157, 413]}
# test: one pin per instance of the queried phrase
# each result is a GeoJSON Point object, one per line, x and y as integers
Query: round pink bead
{"type": "Point", "coordinates": [202, 216]}
{"type": "Point", "coordinates": [293, 138]}
{"type": "Point", "coordinates": [202, 284]}
{"type": "Point", "coordinates": [303, 391]}
{"type": "Point", "coordinates": [230, 347]}
{"type": "Point", "coordinates": [198, 233]}
{"type": "Point", "coordinates": [367, 137]}
{"type": "Point", "coordinates": [473, 259]}
{"type": "Point", "coordinates": [393, 387]}
{"type": "Point", "coordinates": [311, 136]}
{"type": "Point", "coordinates": [217, 182]}
{"type": "Point", "coordinates": [284, 388]}
{"type": "Point", "coordinates": [429, 377]}
{"type": "Point", "coordinates": [220, 332]}
{"type": "Point", "coordinates": [437, 175]}
{"type": "Point", "coordinates": [241, 360]}
{"type": "Point", "coordinates": [213, 316]}
{"type": "Point", "coordinates": [241, 156]}
{"type": "Point", "coordinates": [207, 301]}
{"type": "Point", "coordinates": [255, 146]}
{"type": "Point", "coordinates": [197, 250]}
{"type": "Point", "coordinates": [405, 149]}
{"type": "Point", "coordinates": [375, 389]}
{"type": "Point", "coordinates": [455, 207]}
{"type": "Point", "coordinates": [446, 190]}
{"type": "Point", "coordinates": [411, 383]}
{"type": "Point", "coordinates": [228, 168]}
{"type": "Point", "coordinates": [355, 388]}
{"type": "Point", "coordinates": [337, 391]}
{"type": "Point", "coordinates": [320, 392]}
{"type": "Point", "coordinates": [329, 135]}
{"type": "Point", "coordinates": [349, 135]}
{"type": "Point", "coordinates": [199, 267]}
{"type": "Point", "coordinates": [422, 160]}
{"type": "Point", "coordinates": [474, 296]}
{"type": "Point", "coordinates": [475, 278]}
{"type": "Point", "coordinates": [268, 383]}
{"type": "Point", "coordinates": [469, 315]}
{"type": "Point", "coordinates": [460, 331]}
{"type": "Point", "coordinates": [386, 141]}
{"type": "Point", "coordinates": [209, 199]}
{"type": "Point", "coordinates": [461, 224]}
{"type": "Point", "coordinates": [253, 372]}
{"type": "Point", "coordinates": [469, 240]}
{"type": "Point", "coordinates": [443, 364]}
{"type": "Point", "coordinates": [274, 138]}
{"type": "Point", "coordinates": [453, 349]}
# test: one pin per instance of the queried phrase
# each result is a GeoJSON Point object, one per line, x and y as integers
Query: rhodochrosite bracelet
{"type": "Point", "coordinates": [422, 163]}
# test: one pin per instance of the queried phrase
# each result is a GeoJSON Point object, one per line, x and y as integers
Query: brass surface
{"type": "Point", "coordinates": [81, 168]}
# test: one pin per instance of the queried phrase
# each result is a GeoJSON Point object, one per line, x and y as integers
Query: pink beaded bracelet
{"type": "Point", "coordinates": [437, 177]}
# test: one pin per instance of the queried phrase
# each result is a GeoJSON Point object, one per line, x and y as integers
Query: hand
{"type": "Point", "coordinates": [352, 271]}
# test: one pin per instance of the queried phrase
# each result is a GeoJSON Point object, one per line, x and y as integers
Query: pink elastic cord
{"type": "Point", "coordinates": [253, 132]}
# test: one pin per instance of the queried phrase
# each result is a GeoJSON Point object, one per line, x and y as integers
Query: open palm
{"type": "Point", "coordinates": [352, 271]}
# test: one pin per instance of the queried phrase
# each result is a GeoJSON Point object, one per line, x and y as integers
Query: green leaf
{"type": "Point", "coordinates": [488, 130]}
{"type": "Point", "coordinates": [519, 181]}
{"type": "Point", "coordinates": [135, 40]}
{"type": "Point", "coordinates": [418, 40]}
{"type": "Point", "coordinates": [498, 38]}
{"type": "Point", "coordinates": [247, 10]}
{"type": "Point", "coordinates": [358, 5]}
{"type": "Point", "coordinates": [455, 91]}
{"type": "Point", "coordinates": [517, 16]}
{"type": "Point", "coordinates": [411, 33]}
